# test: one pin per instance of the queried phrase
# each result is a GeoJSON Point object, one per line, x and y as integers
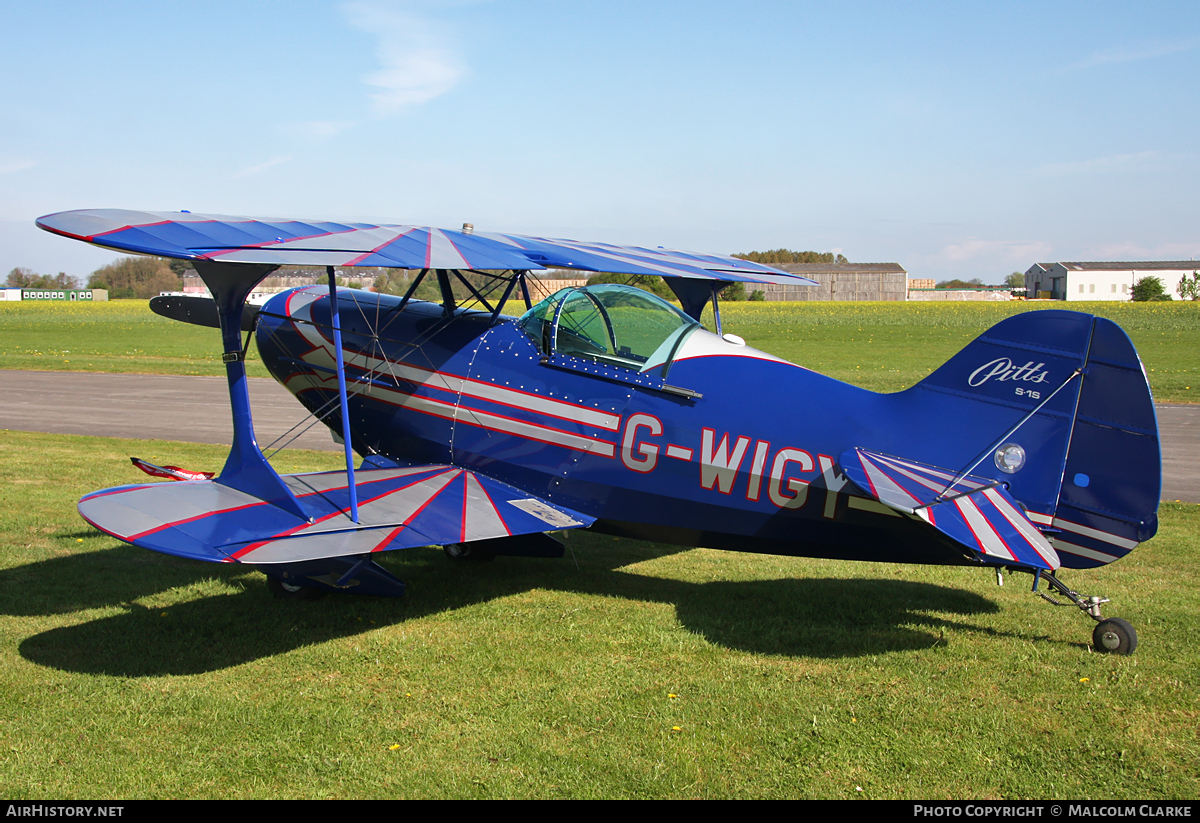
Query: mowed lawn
{"type": "Point", "coordinates": [626, 669]}
{"type": "Point", "coordinates": [112, 336]}
{"type": "Point", "coordinates": [879, 346]}
{"type": "Point", "coordinates": [890, 346]}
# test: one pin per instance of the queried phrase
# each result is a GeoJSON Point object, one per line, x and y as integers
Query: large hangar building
{"type": "Point", "coordinates": [840, 281]}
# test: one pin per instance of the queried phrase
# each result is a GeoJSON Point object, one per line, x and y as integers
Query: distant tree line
{"type": "Point", "coordinates": [23, 278]}
{"type": "Point", "coordinates": [774, 257]}
{"type": "Point", "coordinates": [656, 285]}
{"type": "Point", "coordinates": [398, 281]}
{"type": "Point", "coordinates": [1016, 280]}
{"type": "Point", "coordinates": [974, 282]}
{"type": "Point", "coordinates": [492, 287]}
{"type": "Point", "coordinates": [137, 277]}
{"type": "Point", "coordinates": [648, 282]}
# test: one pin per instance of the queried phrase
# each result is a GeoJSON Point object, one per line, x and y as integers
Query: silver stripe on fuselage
{"type": "Point", "coordinates": [1071, 548]}
{"type": "Point", "coordinates": [478, 389]}
{"type": "Point", "coordinates": [1095, 534]}
{"type": "Point", "coordinates": [493, 422]}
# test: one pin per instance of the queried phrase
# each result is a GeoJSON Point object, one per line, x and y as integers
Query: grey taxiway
{"type": "Point", "coordinates": [196, 409]}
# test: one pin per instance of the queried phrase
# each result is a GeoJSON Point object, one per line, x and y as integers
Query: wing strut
{"type": "Point", "coordinates": [245, 469]}
{"type": "Point", "coordinates": [448, 303]}
{"type": "Point", "coordinates": [412, 288]}
{"type": "Point", "coordinates": [716, 311]}
{"type": "Point", "coordinates": [341, 376]}
{"type": "Point", "coordinates": [524, 275]}
{"type": "Point", "coordinates": [504, 297]}
{"type": "Point", "coordinates": [695, 294]}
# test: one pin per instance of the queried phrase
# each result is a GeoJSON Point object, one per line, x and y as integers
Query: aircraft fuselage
{"type": "Point", "coordinates": [743, 459]}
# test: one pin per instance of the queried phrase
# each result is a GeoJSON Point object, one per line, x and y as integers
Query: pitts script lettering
{"type": "Point", "coordinates": [1003, 369]}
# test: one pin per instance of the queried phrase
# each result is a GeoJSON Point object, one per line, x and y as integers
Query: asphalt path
{"type": "Point", "coordinates": [196, 409]}
{"type": "Point", "coordinates": [148, 407]}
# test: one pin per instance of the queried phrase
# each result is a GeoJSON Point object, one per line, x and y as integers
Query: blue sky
{"type": "Point", "coordinates": [957, 139]}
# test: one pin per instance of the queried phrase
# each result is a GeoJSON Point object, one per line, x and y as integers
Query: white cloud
{"type": "Point", "coordinates": [1129, 55]}
{"type": "Point", "coordinates": [274, 161]}
{"type": "Point", "coordinates": [1114, 162]}
{"type": "Point", "coordinates": [416, 61]}
{"type": "Point", "coordinates": [1129, 250]}
{"type": "Point", "coordinates": [11, 164]}
{"type": "Point", "coordinates": [320, 129]}
{"type": "Point", "coordinates": [994, 250]}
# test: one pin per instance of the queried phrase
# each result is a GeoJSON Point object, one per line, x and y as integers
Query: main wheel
{"type": "Point", "coordinates": [286, 591]}
{"type": "Point", "coordinates": [465, 552]}
{"type": "Point", "coordinates": [1114, 636]}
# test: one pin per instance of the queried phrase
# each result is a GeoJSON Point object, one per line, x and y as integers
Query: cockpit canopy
{"type": "Point", "coordinates": [613, 324]}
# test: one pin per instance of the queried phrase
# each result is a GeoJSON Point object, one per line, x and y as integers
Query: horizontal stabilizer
{"type": "Point", "coordinates": [977, 512]}
{"type": "Point", "coordinates": [399, 508]}
{"type": "Point", "coordinates": [199, 311]}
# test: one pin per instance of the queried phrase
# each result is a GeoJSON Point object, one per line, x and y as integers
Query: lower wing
{"type": "Point", "coordinates": [399, 508]}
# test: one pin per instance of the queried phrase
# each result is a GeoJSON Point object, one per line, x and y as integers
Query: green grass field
{"type": "Point", "coordinates": [114, 336]}
{"type": "Point", "coordinates": [879, 346]}
{"type": "Point", "coordinates": [891, 346]}
{"type": "Point", "coordinates": [626, 669]}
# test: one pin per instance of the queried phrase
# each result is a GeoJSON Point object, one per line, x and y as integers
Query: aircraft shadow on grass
{"type": "Point", "coordinates": [826, 617]}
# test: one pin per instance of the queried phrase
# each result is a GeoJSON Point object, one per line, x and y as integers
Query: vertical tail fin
{"type": "Point", "coordinates": [1092, 473]}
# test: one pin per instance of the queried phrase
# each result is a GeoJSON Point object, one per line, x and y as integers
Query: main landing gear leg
{"type": "Point", "coordinates": [352, 574]}
{"type": "Point", "coordinates": [1112, 635]}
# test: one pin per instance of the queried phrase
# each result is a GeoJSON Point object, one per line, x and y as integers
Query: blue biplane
{"type": "Point", "coordinates": [605, 407]}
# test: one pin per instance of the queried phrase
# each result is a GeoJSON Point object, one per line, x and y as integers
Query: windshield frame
{"type": "Point", "coordinates": [655, 351]}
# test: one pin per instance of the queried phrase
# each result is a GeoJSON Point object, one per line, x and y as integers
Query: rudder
{"type": "Point", "coordinates": [1112, 479]}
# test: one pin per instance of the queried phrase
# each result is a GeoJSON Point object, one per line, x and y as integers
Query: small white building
{"type": "Point", "coordinates": [1103, 281]}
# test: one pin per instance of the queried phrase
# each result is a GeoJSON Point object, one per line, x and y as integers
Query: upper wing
{"type": "Point", "coordinates": [308, 243]}
{"type": "Point", "coordinates": [398, 508]}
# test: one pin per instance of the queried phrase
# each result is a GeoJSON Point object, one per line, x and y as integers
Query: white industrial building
{"type": "Point", "coordinates": [1103, 281]}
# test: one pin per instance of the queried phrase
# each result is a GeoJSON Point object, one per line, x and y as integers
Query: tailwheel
{"type": "Point", "coordinates": [287, 591]}
{"type": "Point", "coordinates": [1114, 636]}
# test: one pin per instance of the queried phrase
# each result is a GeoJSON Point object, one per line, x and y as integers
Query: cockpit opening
{"type": "Point", "coordinates": [613, 324]}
